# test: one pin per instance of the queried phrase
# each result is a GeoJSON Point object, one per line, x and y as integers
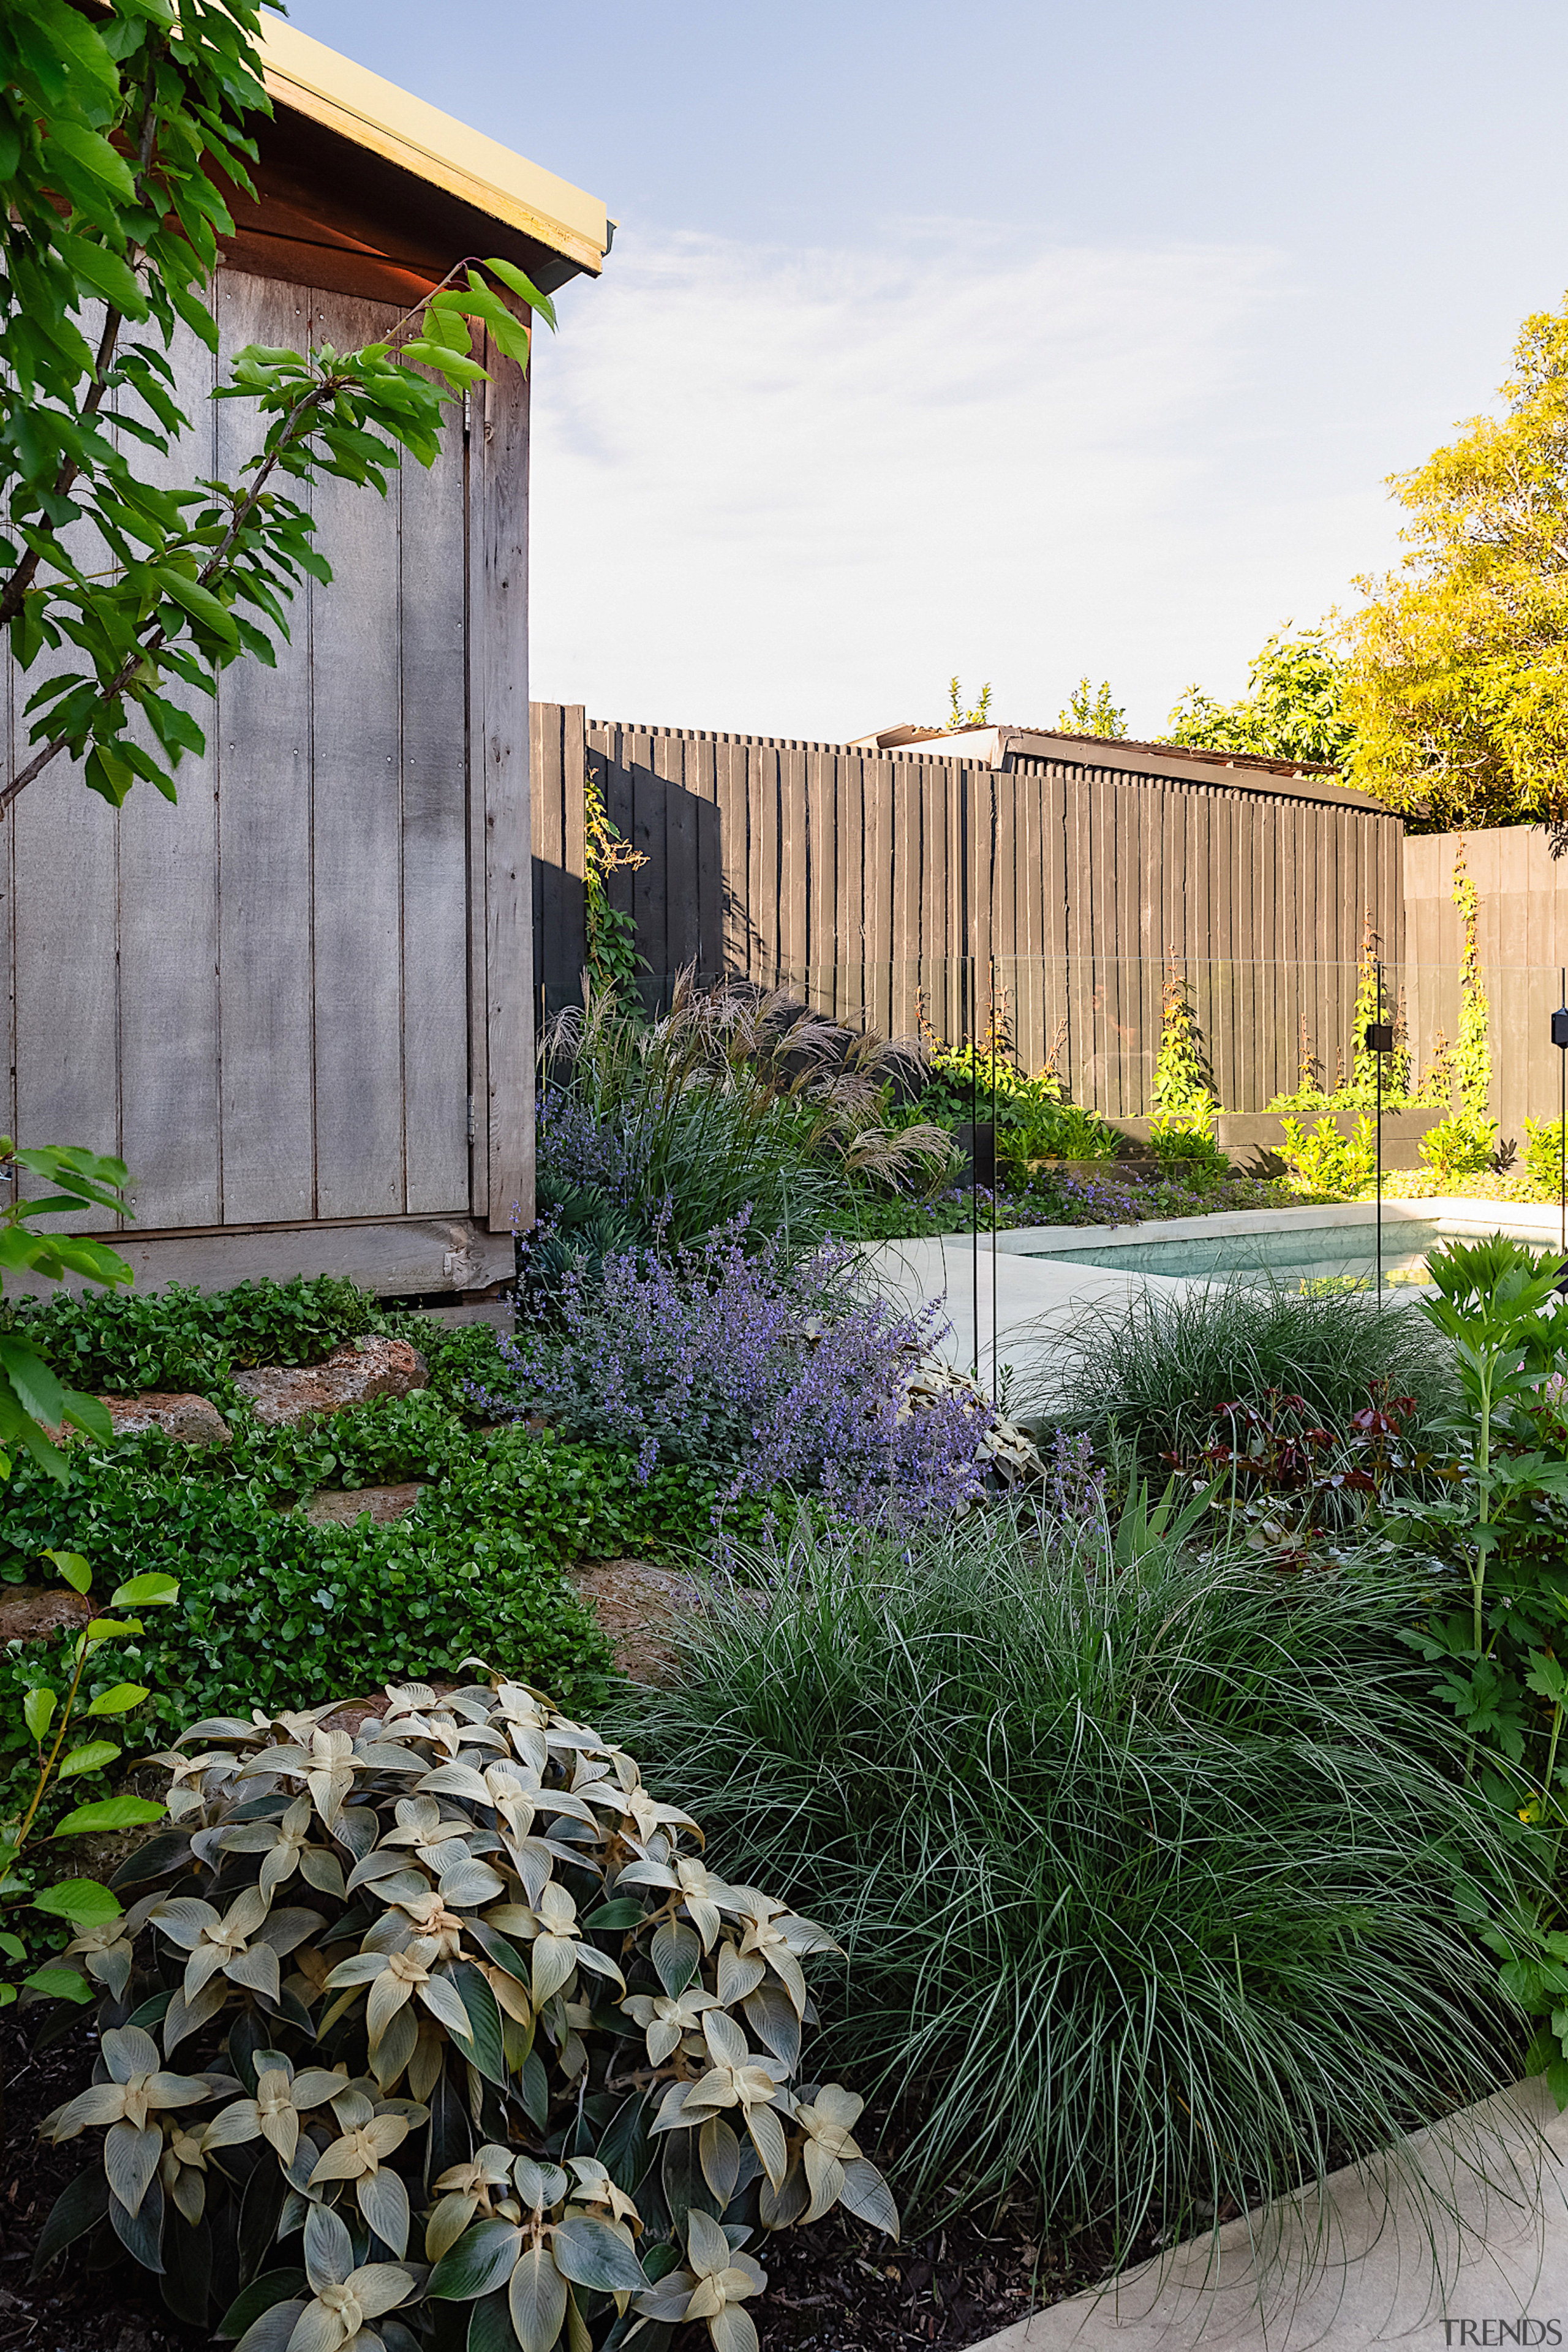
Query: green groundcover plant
{"type": "Point", "coordinates": [444, 2030]}
{"type": "Point", "coordinates": [277, 1610]}
{"type": "Point", "coordinates": [1135, 1853]}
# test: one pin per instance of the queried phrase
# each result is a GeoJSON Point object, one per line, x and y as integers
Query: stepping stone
{"type": "Point", "coordinates": [638, 1606]}
{"type": "Point", "coordinates": [193, 1420]}
{"type": "Point", "coordinates": [359, 1369]}
{"type": "Point", "coordinates": [36, 1612]}
{"type": "Point", "coordinates": [341, 1507]}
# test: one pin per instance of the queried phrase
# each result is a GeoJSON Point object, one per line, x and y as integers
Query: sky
{"type": "Point", "coordinates": [1019, 340]}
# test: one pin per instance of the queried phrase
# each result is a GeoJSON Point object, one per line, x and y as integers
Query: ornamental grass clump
{"type": "Point", "coordinates": [443, 2033]}
{"type": "Point", "coordinates": [1145, 1860]}
{"type": "Point", "coordinates": [762, 1371]}
{"type": "Point", "coordinates": [737, 1099]}
{"type": "Point", "coordinates": [1145, 1381]}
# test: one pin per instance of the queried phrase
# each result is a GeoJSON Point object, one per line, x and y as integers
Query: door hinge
{"type": "Point", "coordinates": [472, 1128]}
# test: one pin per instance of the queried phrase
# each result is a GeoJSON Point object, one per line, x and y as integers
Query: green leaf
{"type": "Point", "coordinates": [272, 2287]}
{"type": "Point", "coordinates": [39, 1711]}
{"type": "Point", "coordinates": [589, 2253]}
{"type": "Point", "coordinates": [93, 154]}
{"type": "Point", "coordinates": [488, 2051]}
{"type": "Point", "coordinates": [73, 1568]}
{"type": "Point", "coordinates": [119, 1700]}
{"type": "Point", "coordinates": [92, 1757]}
{"type": "Point", "coordinates": [110, 1814]}
{"type": "Point", "coordinates": [152, 1591]}
{"type": "Point", "coordinates": [105, 273]}
{"type": "Point", "coordinates": [537, 2298]}
{"type": "Point", "coordinates": [517, 283]}
{"type": "Point", "coordinates": [620, 1913]}
{"type": "Point", "coordinates": [82, 1901]}
{"type": "Point", "coordinates": [61, 1984]}
{"type": "Point", "coordinates": [483, 2258]}
{"type": "Point", "coordinates": [109, 1629]}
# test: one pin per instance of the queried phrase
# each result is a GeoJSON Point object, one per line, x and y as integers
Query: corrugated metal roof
{"type": "Point", "coordinates": [893, 739]}
{"type": "Point", "coordinates": [315, 80]}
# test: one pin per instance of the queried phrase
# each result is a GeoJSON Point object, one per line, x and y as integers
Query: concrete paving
{"type": "Point", "coordinates": [1464, 2244]}
{"type": "Point", "coordinates": [1014, 1303]}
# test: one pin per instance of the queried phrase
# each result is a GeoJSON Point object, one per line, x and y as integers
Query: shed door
{"type": "Point", "coordinates": [260, 997]}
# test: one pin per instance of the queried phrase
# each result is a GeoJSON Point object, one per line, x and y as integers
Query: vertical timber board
{"type": "Point", "coordinates": [904, 931]}
{"type": "Point", "coordinates": [357, 763]}
{"type": "Point", "coordinates": [702, 783]}
{"type": "Point", "coordinates": [168, 884]}
{"type": "Point", "coordinates": [822, 909]}
{"type": "Point", "coordinates": [767, 895]}
{"type": "Point", "coordinates": [651, 879]}
{"type": "Point", "coordinates": [435, 833]}
{"type": "Point", "coordinates": [499, 736]}
{"type": "Point", "coordinates": [794, 864]}
{"type": "Point", "coordinates": [64, 845]}
{"type": "Point", "coordinates": [848, 923]}
{"type": "Point", "coordinates": [262, 723]}
{"type": "Point", "coordinates": [552, 943]}
{"type": "Point", "coordinates": [880, 773]}
{"type": "Point", "coordinates": [734, 853]}
{"type": "Point", "coordinates": [683, 928]}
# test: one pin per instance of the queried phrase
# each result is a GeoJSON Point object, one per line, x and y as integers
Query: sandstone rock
{"type": "Point", "coordinates": [340, 1506]}
{"type": "Point", "coordinates": [1003, 1450]}
{"type": "Point", "coordinates": [32, 1612]}
{"type": "Point", "coordinates": [638, 1606]}
{"type": "Point", "coordinates": [193, 1418]}
{"type": "Point", "coordinates": [359, 1369]}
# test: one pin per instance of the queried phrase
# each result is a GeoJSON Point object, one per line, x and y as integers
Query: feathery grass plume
{"type": "Point", "coordinates": [1145, 1380]}
{"type": "Point", "coordinates": [1145, 1877]}
{"type": "Point", "coordinates": [737, 1099]}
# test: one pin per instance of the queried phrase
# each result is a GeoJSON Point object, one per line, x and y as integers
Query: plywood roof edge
{"type": "Point", "coordinates": [312, 79]}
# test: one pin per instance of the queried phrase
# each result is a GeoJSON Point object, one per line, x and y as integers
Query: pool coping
{"type": "Point", "coordinates": [1523, 1220]}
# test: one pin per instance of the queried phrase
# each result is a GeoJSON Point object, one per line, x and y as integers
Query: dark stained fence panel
{"type": "Point", "coordinates": [869, 880]}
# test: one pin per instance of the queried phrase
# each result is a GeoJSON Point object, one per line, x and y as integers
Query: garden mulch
{"type": "Point", "coordinates": [72, 2309]}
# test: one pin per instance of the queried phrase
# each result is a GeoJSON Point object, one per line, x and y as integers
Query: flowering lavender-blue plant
{"type": "Point", "coordinates": [765, 1373]}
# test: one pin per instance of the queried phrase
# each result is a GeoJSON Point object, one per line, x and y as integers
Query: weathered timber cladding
{"type": "Point", "coordinates": [1521, 933]}
{"type": "Point", "coordinates": [870, 879]}
{"type": "Point", "coordinates": [276, 999]}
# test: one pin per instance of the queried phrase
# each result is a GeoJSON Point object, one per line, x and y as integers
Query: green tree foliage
{"type": "Point", "coordinates": [1293, 708]}
{"type": "Point", "coordinates": [1092, 711]}
{"type": "Point", "coordinates": [119, 134]}
{"type": "Point", "coordinates": [957, 716]}
{"type": "Point", "coordinates": [1457, 684]}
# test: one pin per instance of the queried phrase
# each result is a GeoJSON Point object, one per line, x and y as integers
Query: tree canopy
{"type": "Point", "coordinates": [1293, 708]}
{"type": "Point", "coordinates": [1457, 688]}
{"type": "Point", "coordinates": [1089, 713]}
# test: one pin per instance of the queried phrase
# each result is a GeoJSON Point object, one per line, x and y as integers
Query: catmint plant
{"type": "Point", "coordinates": [764, 1373]}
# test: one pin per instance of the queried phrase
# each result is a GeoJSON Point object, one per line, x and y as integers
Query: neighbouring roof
{"type": "Point", "coordinates": [366, 189]}
{"type": "Point", "coordinates": [994, 747]}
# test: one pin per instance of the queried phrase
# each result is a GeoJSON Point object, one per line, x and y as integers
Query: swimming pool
{"type": "Point", "coordinates": [1280, 1254]}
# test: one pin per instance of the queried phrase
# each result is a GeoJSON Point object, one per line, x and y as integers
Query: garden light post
{"type": "Point", "coordinates": [1560, 1039]}
{"type": "Point", "coordinates": [1378, 1041]}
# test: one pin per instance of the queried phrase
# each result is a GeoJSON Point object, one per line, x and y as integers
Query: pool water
{"type": "Point", "coordinates": [1307, 1253]}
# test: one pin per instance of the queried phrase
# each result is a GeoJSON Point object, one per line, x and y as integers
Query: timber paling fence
{"type": "Point", "coordinates": [886, 885]}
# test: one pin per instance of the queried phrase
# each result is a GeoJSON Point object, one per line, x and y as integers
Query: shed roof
{"type": "Point", "coordinates": [995, 746]}
{"type": "Point", "coordinates": [313, 79]}
{"type": "Point", "coordinates": [364, 188]}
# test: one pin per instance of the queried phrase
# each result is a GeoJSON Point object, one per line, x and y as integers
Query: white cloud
{"type": "Point", "coordinates": [790, 493]}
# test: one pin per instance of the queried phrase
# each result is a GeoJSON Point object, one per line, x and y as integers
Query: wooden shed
{"type": "Point", "coordinates": [299, 1003]}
